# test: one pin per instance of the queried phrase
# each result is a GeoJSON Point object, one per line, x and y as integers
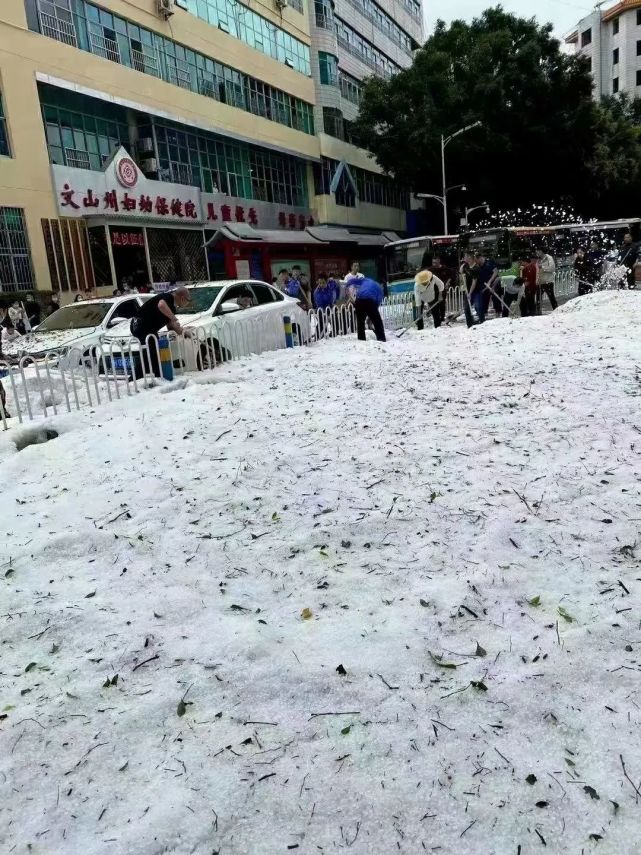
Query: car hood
{"type": "Point", "coordinates": [38, 342]}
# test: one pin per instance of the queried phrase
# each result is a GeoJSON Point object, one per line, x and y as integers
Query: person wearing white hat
{"type": "Point", "coordinates": [429, 293]}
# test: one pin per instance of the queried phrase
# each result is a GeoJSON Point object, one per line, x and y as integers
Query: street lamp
{"type": "Point", "coordinates": [469, 211]}
{"type": "Point", "coordinates": [445, 141]}
{"type": "Point", "coordinates": [442, 200]}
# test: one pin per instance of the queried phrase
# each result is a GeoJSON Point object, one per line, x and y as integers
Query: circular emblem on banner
{"type": "Point", "coordinates": [127, 172]}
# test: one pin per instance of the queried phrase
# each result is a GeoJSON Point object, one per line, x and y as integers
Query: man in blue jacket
{"type": "Point", "coordinates": [369, 296]}
{"type": "Point", "coordinates": [324, 292]}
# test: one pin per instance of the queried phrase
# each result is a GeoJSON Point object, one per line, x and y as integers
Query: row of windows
{"type": "Point", "coordinates": [239, 21]}
{"type": "Point", "coordinates": [351, 89]}
{"type": "Point", "coordinates": [5, 151]}
{"type": "Point", "coordinates": [615, 23]}
{"type": "Point", "coordinates": [16, 271]}
{"type": "Point", "coordinates": [118, 40]}
{"type": "Point", "coordinates": [335, 125]}
{"type": "Point", "coordinates": [615, 53]}
{"type": "Point", "coordinates": [366, 52]}
{"type": "Point", "coordinates": [370, 187]}
{"type": "Point", "coordinates": [83, 132]}
{"type": "Point", "coordinates": [615, 82]}
{"type": "Point", "coordinates": [383, 22]}
{"type": "Point", "coordinates": [220, 166]}
{"type": "Point", "coordinates": [586, 35]}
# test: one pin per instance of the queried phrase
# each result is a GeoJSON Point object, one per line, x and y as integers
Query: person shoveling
{"type": "Point", "coordinates": [429, 298]}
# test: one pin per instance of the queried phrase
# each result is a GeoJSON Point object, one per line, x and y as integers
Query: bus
{"type": "Point", "coordinates": [608, 234]}
{"type": "Point", "coordinates": [511, 245]}
{"type": "Point", "coordinates": [404, 258]}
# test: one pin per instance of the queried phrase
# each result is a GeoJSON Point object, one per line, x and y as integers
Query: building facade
{"type": "Point", "coordinates": [135, 133]}
{"type": "Point", "coordinates": [610, 38]}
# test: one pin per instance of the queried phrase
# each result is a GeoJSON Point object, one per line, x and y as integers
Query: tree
{"type": "Point", "coordinates": [542, 135]}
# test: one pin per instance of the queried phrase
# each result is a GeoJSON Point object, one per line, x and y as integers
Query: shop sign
{"type": "Point", "coordinates": [220, 209]}
{"type": "Point", "coordinates": [127, 238]}
{"type": "Point", "coordinates": [122, 191]}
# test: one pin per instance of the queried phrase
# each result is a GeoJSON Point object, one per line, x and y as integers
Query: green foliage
{"type": "Point", "coordinates": [543, 136]}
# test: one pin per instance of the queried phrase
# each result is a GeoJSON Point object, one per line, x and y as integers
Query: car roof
{"type": "Point", "coordinates": [222, 283]}
{"type": "Point", "coordinates": [111, 300]}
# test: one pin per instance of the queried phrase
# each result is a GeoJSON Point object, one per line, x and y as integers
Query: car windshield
{"type": "Point", "coordinates": [76, 317]}
{"type": "Point", "coordinates": [201, 300]}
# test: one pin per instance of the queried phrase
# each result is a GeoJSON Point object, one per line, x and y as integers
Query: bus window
{"type": "Point", "coordinates": [405, 259]}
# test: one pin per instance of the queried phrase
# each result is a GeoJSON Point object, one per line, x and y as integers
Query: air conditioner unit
{"type": "Point", "coordinates": [281, 4]}
{"type": "Point", "coordinates": [166, 8]}
{"type": "Point", "coordinates": [145, 144]}
{"type": "Point", "coordinates": [149, 165]}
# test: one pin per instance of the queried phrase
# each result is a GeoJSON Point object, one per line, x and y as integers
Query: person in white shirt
{"type": "Point", "coordinates": [547, 276]}
{"type": "Point", "coordinates": [429, 294]}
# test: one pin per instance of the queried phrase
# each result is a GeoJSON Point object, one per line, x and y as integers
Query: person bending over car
{"type": "Point", "coordinates": [153, 315]}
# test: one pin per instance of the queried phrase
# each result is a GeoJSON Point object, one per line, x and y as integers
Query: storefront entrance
{"type": "Point", "coordinates": [128, 251]}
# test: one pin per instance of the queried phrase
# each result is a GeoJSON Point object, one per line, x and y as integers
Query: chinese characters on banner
{"type": "Point", "coordinates": [127, 239]}
{"type": "Point", "coordinates": [111, 201]}
{"type": "Point", "coordinates": [236, 214]}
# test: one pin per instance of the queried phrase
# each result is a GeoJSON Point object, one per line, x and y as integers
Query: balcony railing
{"type": "Point", "coordinates": [77, 158]}
{"type": "Point", "coordinates": [145, 60]}
{"type": "Point", "coordinates": [56, 27]}
{"type": "Point", "coordinates": [391, 35]}
{"type": "Point", "coordinates": [376, 67]}
{"type": "Point", "coordinates": [105, 47]}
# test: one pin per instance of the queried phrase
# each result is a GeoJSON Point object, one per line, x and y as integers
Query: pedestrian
{"type": "Point", "coordinates": [512, 292]}
{"type": "Point", "coordinates": [324, 293]}
{"type": "Point", "coordinates": [530, 276]}
{"type": "Point", "coordinates": [78, 298]}
{"type": "Point", "coordinates": [368, 297]}
{"type": "Point", "coordinates": [54, 303]}
{"type": "Point", "coordinates": [596, 256]}
{"type": "Point", "coordinates": [467, 276]}
{"type": "Point", "coordinates": [628, 255]}
{"type": "Point", "coordinates": [153, 315]}
{"type": "Point", "coordinates": [547, 277]}
{"type": "Point", "coordinates": [17, 316]}
{"type": "Point", "coordinates": [355, 271]}
{"type": "Point", "coordinates": [324, 300]}
{"type": "Point", "coordinates": [484, 286]}
{"type": "Point", "coordinates": [582, 271]}
{"type": "Point", "coordinates": [283, 280]}
{"type": "Point", "coordinates": [429, 293]}
{"type": "Point", "coordinates": [306, 288]}
{"type": "Point", "coordinates": [34, 312]}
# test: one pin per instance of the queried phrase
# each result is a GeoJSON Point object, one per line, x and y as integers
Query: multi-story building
{"type": "Point", "coordinates": [189, 139]}
{"type": "Point", "coordinates": [610, 38]}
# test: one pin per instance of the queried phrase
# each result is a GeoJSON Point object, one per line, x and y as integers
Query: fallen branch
{"type": "Point", "coordinates": [140, 664]}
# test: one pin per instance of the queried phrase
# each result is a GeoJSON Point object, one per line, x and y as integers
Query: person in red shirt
{"type": "Point", "coordinates": [529, 274]}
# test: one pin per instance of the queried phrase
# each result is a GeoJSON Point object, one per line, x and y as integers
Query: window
{"type": "Point", "coordinates": [372, 188]}
{"type": "Point", "coordinates": [121, 41]}
{"type": "Point", "coordinates": [384, 23]}
{"type": "Point", "coordinates": [5, 151]}
{"type": "Point", "coordinates": [638, 17]}
{"type": "Point", "coordinates": [639, 77]}
{"type": "Point", "coordinates": [615, 27]}
{"type": "Point", "coordinates": [615, 85]}
{"type": "Point", "coordinates": [586, 38]}
{"type": "Point", "coordinates": [328, 67]}
{"type": "Point", "coordinates": [263, 293]}
{"type": "Point", "coordinates": [16, 272]}
{"type": "Point", "coordinates": [81, 132]}
{"type": "Point", "coordinates": [355, 44]}
{"type": "Point", "coordinates": [638, 47]}
{"type": "Point", "coordinates": [126, 310]}
{"type": "Point", "coordinates": [351, 89]}
{"type": "Point", "coordinates": [615, 56]}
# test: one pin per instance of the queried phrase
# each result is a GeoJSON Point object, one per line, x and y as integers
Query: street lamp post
{"type": "Point", "coordinates": [445, 141]}
{"type": "Point", "coordinates": [469, 211]}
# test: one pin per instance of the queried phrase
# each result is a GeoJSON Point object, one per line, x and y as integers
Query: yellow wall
{"type": "Point", "coordinates": [365, 215]}
{"type": "Point", "coordinates": [25, 179]}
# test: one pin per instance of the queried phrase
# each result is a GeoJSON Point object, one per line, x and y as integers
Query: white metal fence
{"type": "Point", "coordinates": [118, 368]}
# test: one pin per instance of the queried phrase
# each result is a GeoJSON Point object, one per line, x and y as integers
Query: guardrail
{"type": "Point", "coordinates": [119, 368]}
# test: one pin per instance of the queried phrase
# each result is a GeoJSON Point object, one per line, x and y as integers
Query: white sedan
{"type": "Point", "coordinates": [72, 332]}
{"type": "Point", "coordinates": [225, 320]}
